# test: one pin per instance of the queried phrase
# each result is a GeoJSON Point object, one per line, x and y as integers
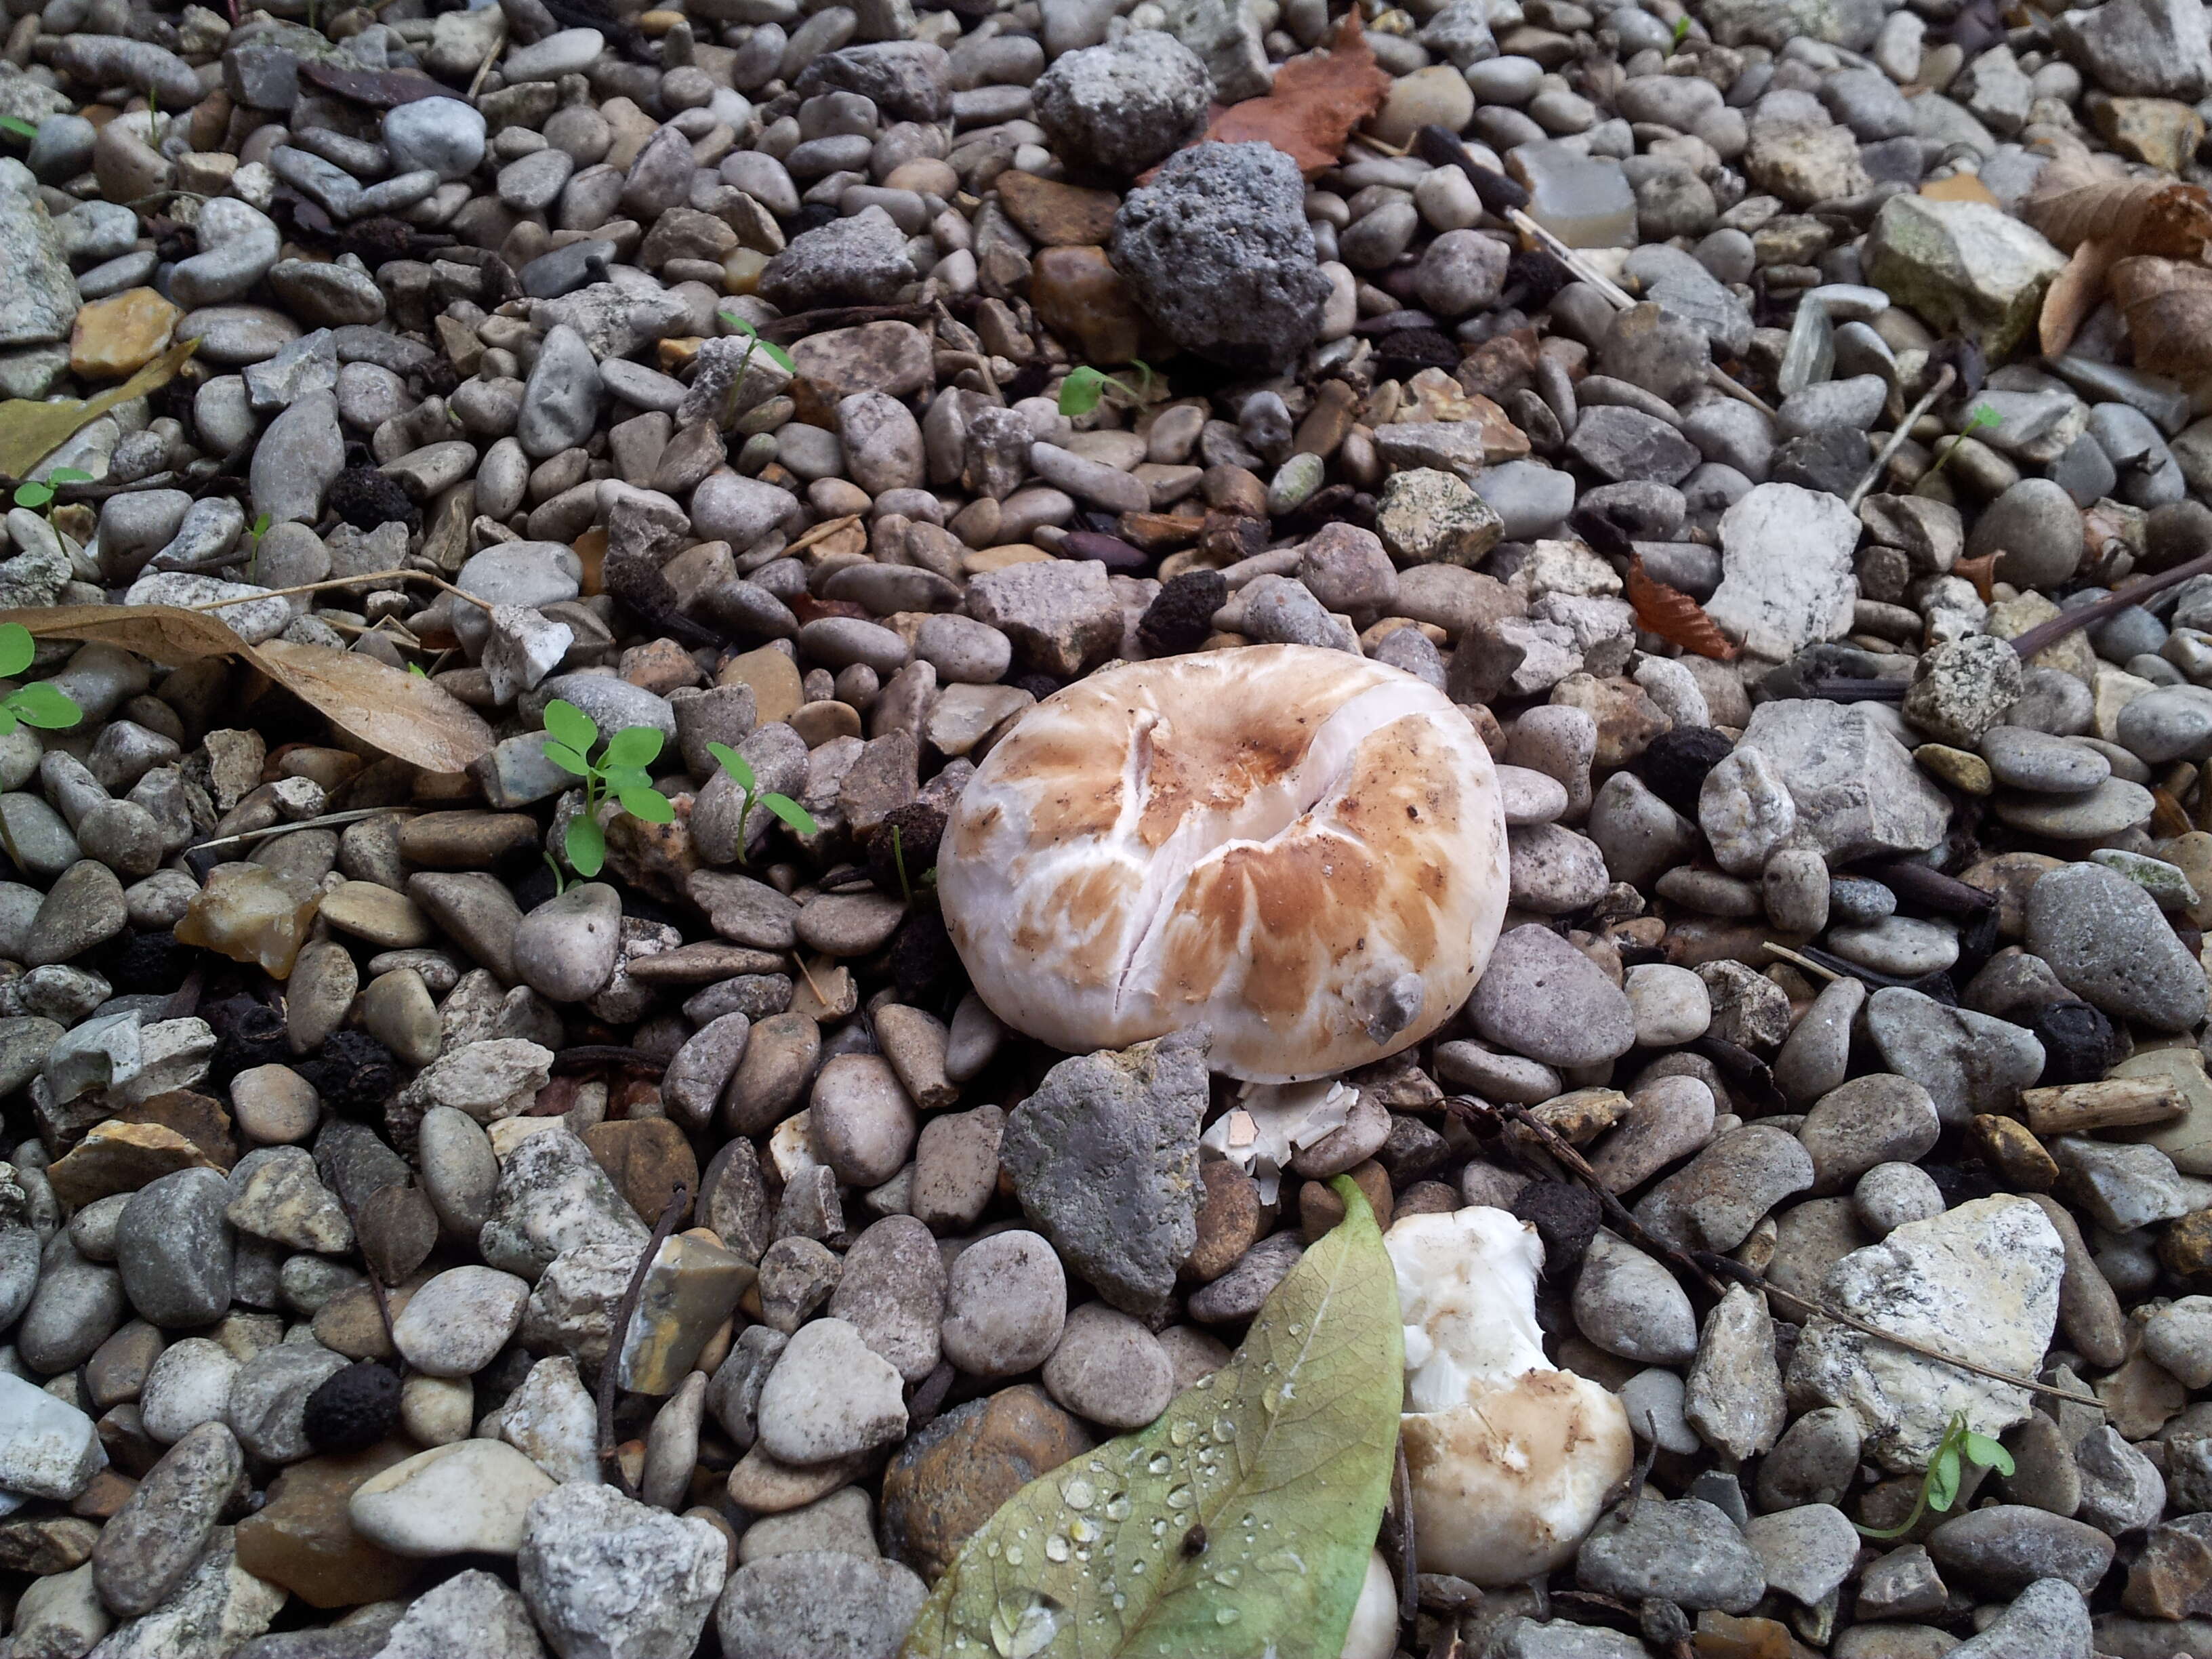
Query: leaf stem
{"type": "Point", "coordinates": [346, 581]}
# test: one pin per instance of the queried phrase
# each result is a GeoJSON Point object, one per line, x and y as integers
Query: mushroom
{"type": "Point", "coordinates": [1512, 1458]}
{"type": "Point", "coordinates": [1298, 847]}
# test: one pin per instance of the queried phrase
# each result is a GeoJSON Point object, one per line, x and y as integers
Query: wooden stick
{"type": "Point", "coordinates": [1943, 383]}
{"type": "Point", "coordinates": [617, 1334]}
{"type": "Point", "coordinates": [1401, 1493]}
{"type": "Point", "coordinates": [2065, 623]}
{"type": "Point", "coordinates": [1806, 963]}
{"type": "Point", "coordinates": [352, 816]}
{"type": "Point", "coordinates": [347, 582]}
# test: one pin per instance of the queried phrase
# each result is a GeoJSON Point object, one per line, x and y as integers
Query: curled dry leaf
{"type": "Point", "coordinates": [2074, 202]}
{"type": "Point", "coordinates": [29, 432]}
{"type": "Point", "coordinates": [1319, 97]}
{"type": "Point", "coordinates": [1675, 617]}
{"type": "Point", "coordinates": [2069, 300]}
{"type": "Point", "coordinates": [1981, 572]}
{"type": "Point", "coordinates": [402, 714]}
{"type": "Point", "coordinates": [2168, 308]}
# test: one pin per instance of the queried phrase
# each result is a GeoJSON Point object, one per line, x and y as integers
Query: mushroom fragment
{"type": "Point", "coordinates": [1512, 1458]}
{"type": "Point", "coordinates": [1300, 848]}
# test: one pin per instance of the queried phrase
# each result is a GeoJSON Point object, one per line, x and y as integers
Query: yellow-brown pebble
{"type": "Point", "coordinates": [121, 334]}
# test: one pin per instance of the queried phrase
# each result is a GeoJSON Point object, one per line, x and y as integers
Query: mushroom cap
{"type": "Point", "coordinates": [1300, 848]}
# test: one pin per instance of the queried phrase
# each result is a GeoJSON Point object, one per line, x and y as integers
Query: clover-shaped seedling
{"type": "Point", "coordinates": [570, 734]}
{"type": "Point", "coordinates": [1085, 387]}
{"type": "Point", "coordinates": [39, 703]}
{"type": "Point", "coordinates": [1939, 1486]}
{"type": "Point", "coordinates": [35, 493]}
{"type": "Point", "coordinates": [741, 774]}
{"type": "Point", "coordinates": [776, 354]}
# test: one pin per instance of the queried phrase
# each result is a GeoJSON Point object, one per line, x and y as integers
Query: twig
{"type": "Point", "coordinates": [1806, 963]}
{"type": "Point", "coordinates": [2066, 622]}
{"type": "Point", "coordinates": [498, 46]}
{"type": "Point", "coordinates": [1409, 1586]}
{"type": "Point", "coordinates": [1944, 384]}
{"type": "Point", "coordinates": [375, 1283]}
{"type": "Point", "coordinates": [1753, 1279]}
{"type": "Point", "coordinates": [1586, 272]}
{"type": "Point", "coordinates": [354, 816]}
{"type": "Point", "coordinates": [618, 1333]}
{"type": "Point", "coordinates": [589, 1055]}
{"type": "Point", "coordinates": [347, 582]}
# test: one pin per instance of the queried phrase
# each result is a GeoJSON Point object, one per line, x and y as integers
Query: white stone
{"type": "Point", "coordinates": [552, 1421]}
{"type": "Point", "coordinates": [459, 1320]}
{"type": "Point", "coordinates": [610, 1579]}
{"type": "Point", "coordinates": [48, 1448]}
{"type": "Point", "coordinates": [450, 1500]}
{"type": "Point", "coordinates": [1980, 1281]}
{"type": "Point", "coordinates": [1786, 577]}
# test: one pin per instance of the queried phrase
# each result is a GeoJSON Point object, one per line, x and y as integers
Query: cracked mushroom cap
{"type": "Point", "coordinates": [1300, 848]}
{"type": "Point", "coordinates": [1511, 1459]}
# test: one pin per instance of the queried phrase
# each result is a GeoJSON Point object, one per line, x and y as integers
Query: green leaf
{"type": "Point", "coordinates": [1283, 1457]}
{"type": "Point", "coordinates": [45, 707]}
{"type": "Point", "coordinates": [62, 475]}
{"type": "Point", "coordinates": [1081, 393]}
{"type": "Point", "coordinates": [1989, 1455]}
{"type": "Point", "coordinates": [625, 777]}
{"type": "Point", "coordinates": [791, 812]}
{"type": "Point", "coordinates": [566, 758]}
{"type": "Point", "coordinates": [634, 745]}
{"type": "Point", "coordinates": [19, 126]}
{"type": "Point", "coordinates": [587, 847]}
{"type": "Point", "coordinates": [736, 765]}
{"type": "Point", "coordinates": [1943, 1479]}
{"type": "Point", "coordinates": [7, 721]}
{"type": "Point", "coordinates": [571, 724]}
{"type": "Point", "coordinates": [34, 494]}
{"type": "Point", "coordinates": [650, 805]}
{"type": "Point", "coordinates": [1983, 415]}
{"type": "Point", "coordinates": [16, 649]}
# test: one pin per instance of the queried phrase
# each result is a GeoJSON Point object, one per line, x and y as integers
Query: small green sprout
{"type": "Point", "coordinates": [776, 354]}
{"type": "Point", "coordinates": [415, 668]}
{"type": "Point", "coordinates": [741, 774]}
{"type": "Point", "coordinates": [1085, 387]}
{"type": "Point", "coordinates": [1681, 32]}
{"type": "Point", "coordinates": [35, 493]}
{"type": "Point", "coordinates": [254, 532]}
{"type": "Point", "coordinates": [40, 703]}
{"type": "Point", "coordinates": [619, 771]}
{"type": "Point", "coordinates": [1978, 417]}
{"type": "Point", "coordinates": [17, 126]}
{"type": "Point", "coordinates": [1939, 1487]}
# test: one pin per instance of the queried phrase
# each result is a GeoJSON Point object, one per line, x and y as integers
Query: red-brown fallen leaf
{"type": "Point", "coordinates": [1319, 97]}
{"type": "Point", "coordinates": [1675, 617]}
{"type": "Point", "coordinates": [1981, 572]}
{"type": "Point", "coordinates": [2076, 293]}
{"type": "Point", "coordinates": [2168, 308]}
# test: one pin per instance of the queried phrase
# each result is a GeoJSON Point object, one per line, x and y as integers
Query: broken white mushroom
{"type": "Point", "coordinates": [1511, 1457]}
{"type": "Point", "coordinates": [1300, 848]}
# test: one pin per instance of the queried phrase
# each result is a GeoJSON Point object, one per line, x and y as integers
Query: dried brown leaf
{"type": "Point", "coordinates": [402, 714]}
{"type": "Point", "coordinates": [29, 432]}
{"type": "Point", "coordinates": [2168, 308]}
{"type": "Point", "coordinates": [2068, 301]}
{"type": "Point", "coordinates": [1981, 572]}
{"type": "Point", "coordinates": [163, 633]}
{"type": "Point", "coordinates": [1675, 617]}
{"type": "Point", "coordinates": [2075, 203]}
{"type": "Point", "coordinates": [1318, 98]}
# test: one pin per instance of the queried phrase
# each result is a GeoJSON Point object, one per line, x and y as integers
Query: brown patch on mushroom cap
{"type": "Point", "coordinates": [1299, 848]}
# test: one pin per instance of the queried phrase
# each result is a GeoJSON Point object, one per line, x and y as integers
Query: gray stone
{"type": "Point", "coordinates": [1217, 251]}
{"type": "Point", "coordinates": [173, 1245]}
{"type": "Point", "coordinates": [38, 296]}
{"type": "Point", "coordinates": [823, 1603]}
{"type": "Point", "coordinates": [2109, 944]}
{"type": "Point", "coordinates": [1686, 1552]}
{"type": "Point", "coordinates": [1126, 105]}
{"type": "Point", "coordinates": [1542, 998]}
{"type": "Point", "coordinates": [610, 1578]}
{"type": "Point", "coordinates": [1855, 786]}
{"type": "Point", "coordinates": [1968, 1062]}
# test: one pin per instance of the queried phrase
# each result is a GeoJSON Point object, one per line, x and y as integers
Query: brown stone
{"type": "Point", "coordinates": [708, 962]}
{"type": "Point", "coordinates": [2186, 1247]}
{"type": "Point", "coordinates": [2008, 876]}
{"type": "Point", "coordinates": [107, 1492]}
{"type": "Point", "coordinates": [1057, 215]}
{"type": "Point", "coordinates": [647, 1159]}
{"type": "Point", "coordinates": [301, 1539]}
{"type": "Point", "coordinates": [50, 1544]}
{"type": "Point", "coordinates": [121, 334]}
{"type": "Point", "coordinates": [1627, 719]}
{"type": "Point", "coordinates": [687, 1296]}
{"type": "Point", "coordinates": [1228, 1221]}
{"type": "Point", "coordinates": [398, 1229]}
{"type": "Point", "coordinates": [465, 840]}
{"type": "Point", "coordinates": [2159, 131]}
{"type": "Point", "coordinates": [2009, 1145]}
{"type": "Point", "coordinates": [1320, 1209]}
{"type": "Point", "coordinates": [2172, 1576]}
{"type": "Point", "coordinates": [1079, 296]}
{"type": "Point", "coordinates": [201, 1119]}
{"type": "Point", "coordinates": [950, 1478]}
{"type": "Point", "coordinates": [774, 678]}
{"type": "Point", "coordinates": [894, 358]}
{"type": "Point", "coordinates": [2141, 1397]}
{"type": "Point", "coordinates": [121, 1158]}
{"type": "Point", "coordinates": [350, 1323]}
{"type": "Point", "coordinates": [767, 1485]}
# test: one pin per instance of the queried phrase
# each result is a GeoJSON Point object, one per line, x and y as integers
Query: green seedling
{"type": "Point", "coordinates": [15, 125]}
{"type": "Point", "coordinates": [35, 493]}
{"type": "Point", "coordinates": [40, 703]}
{"type": "Point", "coordinates": [254, 532]}
{"type": "Point", "coordinates": [415, 668]}
{"type": "Point", "coordinates": [1979, 416]}
{"type": "Point", "coordinates": [1939, 1486]}
{"type": "Point", "coordinates": [1085, 388]}
{"type": "Point", "coordinates": [619, 771]}
{"type": "Point", "coordinates": [776, 354]}
{"type": "Point", "coordinates": [1681, 34]}
{"type": "Point", "coordinates": [741, 774]}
